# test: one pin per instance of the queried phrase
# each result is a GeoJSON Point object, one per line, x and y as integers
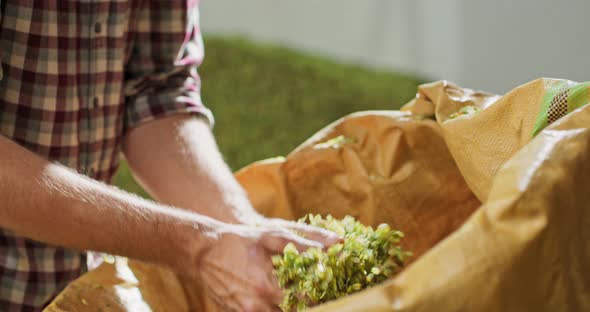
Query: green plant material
{"type": "Point", "coordinates": [465, 110]}
{"type": "Point", "coordinates": [366, 257]}
{"type": "Point", "coordinates": [336, 142]}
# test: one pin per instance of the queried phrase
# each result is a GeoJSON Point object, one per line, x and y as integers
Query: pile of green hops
{"type": "Point", "coordinates": [366, 257]}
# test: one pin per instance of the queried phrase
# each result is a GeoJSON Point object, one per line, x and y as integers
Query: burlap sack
{"type": "Point", "coordinates": [524, 249]}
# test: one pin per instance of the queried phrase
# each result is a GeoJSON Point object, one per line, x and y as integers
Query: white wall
{"type": "Point", "coordinates": [490, 45]}
{"type": "Point", "coordinates": [513, 41]}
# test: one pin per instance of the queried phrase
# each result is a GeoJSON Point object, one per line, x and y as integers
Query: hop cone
{"type": "Point", "coordinates": [366, 257]}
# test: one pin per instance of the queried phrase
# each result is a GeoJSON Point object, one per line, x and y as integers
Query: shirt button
{"type": "Point", "coordinates": [98, 27]}
{"type": "Point", "coordinates": [95, 102]}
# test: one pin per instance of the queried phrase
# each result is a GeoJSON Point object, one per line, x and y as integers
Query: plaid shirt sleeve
{"type": "Point", "coordinates": [161, 71]}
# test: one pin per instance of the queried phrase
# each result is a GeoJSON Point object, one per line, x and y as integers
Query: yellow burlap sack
{"type": "Point", "coordinates": [524, 249]}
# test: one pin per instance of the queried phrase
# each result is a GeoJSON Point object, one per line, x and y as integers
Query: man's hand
{"type": "Point", "coordinates": [177, 161]}
{"type": "Point", "coordinates": [237, 268]}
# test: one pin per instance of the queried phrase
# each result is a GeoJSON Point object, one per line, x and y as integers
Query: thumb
{"type": "Point", "coordinates": [275, 241]}
{"type": "Point", "coordinates": [323, 236]}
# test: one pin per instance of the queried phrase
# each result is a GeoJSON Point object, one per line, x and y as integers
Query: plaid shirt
{"type": "Point", "coordinates": [75, 76]}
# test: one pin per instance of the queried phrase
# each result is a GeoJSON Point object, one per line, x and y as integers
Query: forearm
{"type": "Point", "coordinates": [52, 204]}
{"type": "Point", "coordinates": [177, 161]}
